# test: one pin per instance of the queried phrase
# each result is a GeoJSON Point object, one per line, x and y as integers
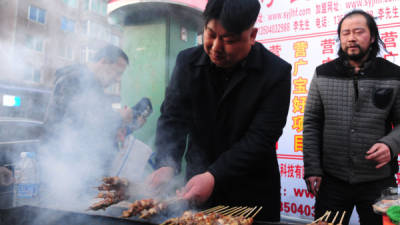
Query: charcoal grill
{"type": "Point", "coordinates": [33, 215]}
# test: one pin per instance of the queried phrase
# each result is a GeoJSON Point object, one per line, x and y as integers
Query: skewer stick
{"type": "Point", "coordinates": [334, 218]}
{"type": "Point", "coordinates": [341, 219]}
{"type": "Point", "coordinates": [249, 213]}
{"type": "Point", "coordinates": [229, 210]}
{"type": "Point", "coordinates": [221, 210]}
{"type": "Point", "coordinates": [245, 211]}
{"type": "Point", "coordinates": [232, 211]}
{"type": "Point", "coordinates": [226, 210]}
{"type": "Point", "coordinates": [237, 211]}
{"type": "Point", "coordinates": [321, 218]}
{"type": "Point", "coordinates": [216, 208]}
{"type": "Point", "coordinates": [327, 216]}
{"type": "Point", "coordinates": [213, 208]}
{"type": "Point", "coordinates": [256, 212]}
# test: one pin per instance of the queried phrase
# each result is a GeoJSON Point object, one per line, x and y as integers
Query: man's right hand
{"type": "Point", "coordinates": [313, 184]}
{"type": "Point", "coordinates": [158, 178]}
{"type": "Point", "coordinates": [6, 176]}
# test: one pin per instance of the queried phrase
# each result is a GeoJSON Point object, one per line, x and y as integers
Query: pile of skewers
{"type": "Point", "coordinates": [146, 208]}
{"type": "Point", "coordinates": [112, 191]}
{"type": "Point", "coordinates": [323, 220]}
{"type": "Point", "coordinates": [221, 215]}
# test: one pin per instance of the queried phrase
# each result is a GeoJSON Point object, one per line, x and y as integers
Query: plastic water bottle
{"type": "Point", "coordinates": [26, 180]}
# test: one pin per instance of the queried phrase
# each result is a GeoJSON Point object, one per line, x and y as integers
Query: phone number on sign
{"type": "Point", "coordinates": [294, 208]}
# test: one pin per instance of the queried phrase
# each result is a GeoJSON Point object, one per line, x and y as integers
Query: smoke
{"type": "Point", "coordinates": [12, 66]}
{"type": "Point", "coordinates": [80, 152]}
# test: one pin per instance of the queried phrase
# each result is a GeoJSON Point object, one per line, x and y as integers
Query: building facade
{"type": "Point", "coordinates": [39, 36]}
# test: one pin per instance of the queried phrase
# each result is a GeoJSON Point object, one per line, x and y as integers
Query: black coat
{"type": "Point", "coordinates": [80, 122]}
{"type": "Point", "coordinates": [231, 134]}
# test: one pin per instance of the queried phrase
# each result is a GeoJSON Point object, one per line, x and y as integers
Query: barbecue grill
{"type": "Point", "coordinates": [33, 215]}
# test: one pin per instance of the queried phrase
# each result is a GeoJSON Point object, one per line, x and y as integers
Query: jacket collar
{"type": "Point", "coordinates": [366, 69]}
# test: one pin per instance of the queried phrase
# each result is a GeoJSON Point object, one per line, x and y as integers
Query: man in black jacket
{"type": "Point", "coordinates": [350, 149]}
{"type": "Point", "coordinates": [81, 126]}
{"type": "Point", "coordinates": [228, 100]}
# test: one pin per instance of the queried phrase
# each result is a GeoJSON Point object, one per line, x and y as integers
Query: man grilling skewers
{"type": "Point", "coordinates": [228, 101]}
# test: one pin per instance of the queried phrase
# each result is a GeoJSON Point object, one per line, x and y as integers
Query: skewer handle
{"type": "Point", "coordinates": [334, 218]}
{"type": "Point", "coordinates": [341, 219]}
{"type": "Point", "coordinates": [327, 216]}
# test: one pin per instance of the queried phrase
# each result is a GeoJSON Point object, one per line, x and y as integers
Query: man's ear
{"type": "Point", "coordinates": [103, 61]}
{"type": "Point", "coordinates": [372, 40]}
{"type": "Point", "coordinates": [253, 35]}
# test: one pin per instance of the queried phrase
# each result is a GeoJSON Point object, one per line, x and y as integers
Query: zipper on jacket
{"type": "Point", "coordinates": [355, 83]}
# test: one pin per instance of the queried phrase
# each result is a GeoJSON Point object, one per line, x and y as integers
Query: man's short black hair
{"type": "Point", "coordinates": [234, 15]}
{"type": "Point", "coordinates": [373, 29]}
{"type": "Point", "coordinates": [111, 54]}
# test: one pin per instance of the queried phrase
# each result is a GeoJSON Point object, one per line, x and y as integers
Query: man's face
{"type": "Point", "coordinates": [355, 37]}
{"type": "Point", "coordinates": [112, 72]}
{"type": "Point", "coordinates": [225, 49]}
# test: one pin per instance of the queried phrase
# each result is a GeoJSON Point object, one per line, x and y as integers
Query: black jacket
{"type": "Point", "coordinates": [80, 121]}
{"type": "Point", "coordinates": [231, 134]}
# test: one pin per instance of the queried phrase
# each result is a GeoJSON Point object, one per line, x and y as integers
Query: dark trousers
{"type": "Point", "coordinates": [337, 195]}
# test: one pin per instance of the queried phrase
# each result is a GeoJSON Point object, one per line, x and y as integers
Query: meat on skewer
{"type": "Point", "coordinates": [113, 191]}
{"type": "Point", "coordinates": [146, 208]}
{"type": "Point", "coordinates": [191, 218]}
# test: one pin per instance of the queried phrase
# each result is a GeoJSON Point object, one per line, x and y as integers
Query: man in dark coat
{"type": "Point", "coordinates": [228, 100]}
{"type": "Point", "coordinates": [81, 126]}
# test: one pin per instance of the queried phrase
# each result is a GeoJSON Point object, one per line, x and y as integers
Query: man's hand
{"type": "Point", "coordinates": [159, 178]}
{"type": "Point", "coordinates": [6, 176]}
{"type": "Point", "coordinates": [380, 153]}
{"type": "Point", "coordinates": [126, 114]}
{"type": "Point", "coordinates": [198, 189]}
{"type": "Point", "coordinates": [313, 184]}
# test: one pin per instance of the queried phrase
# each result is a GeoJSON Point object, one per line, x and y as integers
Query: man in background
{"type": "Point", "coordinates": [350, 144]}
{"type": "Point", "coordinates": [227, 103]}
{"type": "Point", "coordinates": [81, 126]}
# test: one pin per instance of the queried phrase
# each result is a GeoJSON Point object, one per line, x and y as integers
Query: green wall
{"type": "Point", "coordinates": [145, 77]}
{"type": "Point", "coordinates": [175, 42]}
{"type": "Point", "coordinates": [152, 47]}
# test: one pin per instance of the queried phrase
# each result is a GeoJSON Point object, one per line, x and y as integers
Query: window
{"type": "Point", "coordinates": [67, 25]}
{"type": "Point", "coordinates": [32, 74]}
{"type": "Point", "coordinates": [67, 52]}
{"type": "Point", "coordinates": [34, 43]}
{"type": "Point", "coordinates": [97, 6]}
{"type": "Point", "coordinates": [87, 54]}
{"type": "Point", "coordinates": [37, 14]}
{"type": "Point", "coordinates": [71, 3]}
{"type": "Point", "coordinates": [95, 30]}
